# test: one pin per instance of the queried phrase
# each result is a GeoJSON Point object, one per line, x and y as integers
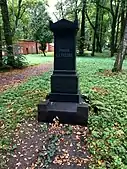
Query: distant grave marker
{"type": "Point", "coordinates": [64, 101]}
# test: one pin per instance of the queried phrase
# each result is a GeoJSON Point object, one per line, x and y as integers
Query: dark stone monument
{"type": "Point", "coordinates": [64, 101]}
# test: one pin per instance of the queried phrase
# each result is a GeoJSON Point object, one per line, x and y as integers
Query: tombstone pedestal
{"type": "Point", "coordinates": [64, 87]}
{"type": "Point", "coordinates": [64, 101]}
{"type": "Point", "coordinates": [67, 112]}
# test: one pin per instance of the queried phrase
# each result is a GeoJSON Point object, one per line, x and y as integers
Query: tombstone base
{"type": "Point", "coordinates": [67, 112]}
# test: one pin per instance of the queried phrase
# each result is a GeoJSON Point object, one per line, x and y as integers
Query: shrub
{"type": "Point", "coordinates": [20, 61]}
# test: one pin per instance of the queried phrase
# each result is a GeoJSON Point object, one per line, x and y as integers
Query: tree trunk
{"type": "Point", "coordinates": [122, 19]}
{"type": "Point", "coordinates": [76, 10]}
{"type": "Point", "coordinates": [101, 30]}
{"type": "Point", "coordinates": [113, 31]}
{"type": "Point", "coordinates": [88, 47]}
{"type": "Point", "coordinates": [96, 28]}
{"type": "Point", "coordinates": [117, 33]}
{"type": "Point", "coordinates": [44, 52]}
{"type": "Point", "coordinates": [98, 45]}
{"type": "Point", "coordinates": [36, 48]}
{"type": "Point", "coordinates": [113, 26]}
{"type": "Point", "coordinates": [82, 35]}
{"type": "Point", "coordinates": [17, 16]}
{"type": "Point", "coordinates": [122, 51]}
{"type": "Point", "coordinates": [114, 14]}
{"type": "Point", "coordinates": [7, 31]}
{"type": "Point", "coordinates": [0, 46]}
{"type": "Point", "coordinates": [99, 48]}
{"type": "Point", "coordinates": [93, 45]}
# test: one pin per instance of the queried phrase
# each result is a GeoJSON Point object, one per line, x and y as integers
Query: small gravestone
{"type": "Point", "coordinates": [64, 101]}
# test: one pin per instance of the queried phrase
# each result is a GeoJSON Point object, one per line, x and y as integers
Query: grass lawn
{"type": "Point", "coordinates": [34, 59]}
{"type": "Point", "coordinates": [107, 141]}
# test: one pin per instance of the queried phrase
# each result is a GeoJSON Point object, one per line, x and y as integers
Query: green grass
{"type": "Point", "coordinates": [108, 140]}
{"type": "Point", "coordinates": [29, 60]}
{"type": "Point", "coordinates": [34, 59]}
{"type": "Point", "coordinates": [105, 54]}
{"type": "Point", "coordinates": [108, 143]}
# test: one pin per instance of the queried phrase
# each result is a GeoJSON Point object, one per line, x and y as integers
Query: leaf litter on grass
{"type": "Point", "coordinates": [48, 146]}
{"type": "Point", "coordinates": [107, 137]}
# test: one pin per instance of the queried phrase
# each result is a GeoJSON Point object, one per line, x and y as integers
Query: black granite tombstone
{"type": "Point", "coordinates": [64, 101]}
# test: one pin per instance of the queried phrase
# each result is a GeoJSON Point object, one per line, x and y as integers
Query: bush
{"type": "Point", "coordinates": [19, 61]}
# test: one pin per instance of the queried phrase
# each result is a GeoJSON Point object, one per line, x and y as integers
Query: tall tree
{"type": "Point", "coordinates": [122, 51]}
{"type": "Point", "coordinates": [7, 31]}
{"type": "Point", "coordinates": [70, 9]}
{"type": "Point", "coordinates": [40, 25]}
{"type": "Point", "coordinates": [113, 9]}
{"type": "Point", "coordinates": [114, 13]}
{"type": "Point", "coordinates": [76, 10]}
{"type": "Point", "coordinates": [18, 14]}
{"type": "Point", "coordinates": [123, 12]}
{"type": "Point", "coordinates": [61, 9]}
{"type": "Point", "coordinates": [0, 45]}
{"type": "Point", "coordinates": [82, 34]}
{"type": "Point", "coordinates": [117, 33]}
{"type": "Point", "coordinates": [95, 28]}
{"type": "Point", "coordinates": [100, 25]}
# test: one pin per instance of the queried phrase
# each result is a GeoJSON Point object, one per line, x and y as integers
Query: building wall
{"type": "Point", "coordinates": [29, 47]}
{"type": "Point", "coordinates": [50, 47]}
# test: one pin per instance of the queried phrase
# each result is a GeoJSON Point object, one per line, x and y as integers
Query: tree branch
{"type": "Point", "coordinates": [55, 16]}
{"type": "Point", "coordinates": [106, 8]}
{"type": "Point", "coordinates": [17, 16]}
{"type": "Point", "coordinates": [111, 6]}
{"type": "Point", "coordinates": [21, 14]}
{"type": "Point", "coordinates": [117, 9]}
{"type": "Point", "coordinates": [53, 12]}
{"type": "Point", "coordinates": [90, 20]}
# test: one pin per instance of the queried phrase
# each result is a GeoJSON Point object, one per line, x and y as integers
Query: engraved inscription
{"type": "Point", "coordinates": [64, 53]}
{"type": "Point", "coordinates": [64, 50]}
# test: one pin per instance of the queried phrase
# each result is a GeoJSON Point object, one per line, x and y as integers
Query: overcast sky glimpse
{"type": "Point", "coordinates": [51, 8]}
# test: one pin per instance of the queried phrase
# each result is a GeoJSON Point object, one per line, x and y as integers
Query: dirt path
{"type": "Point", "coordinates": [38, 147]}
{"type": "Point", "coordinates": [15, 77]}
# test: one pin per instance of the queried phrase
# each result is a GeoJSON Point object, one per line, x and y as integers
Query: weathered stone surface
{"type": "Point", "coordinates": [67, 112]}
{"type": "Point", "coordinates": [64, 101]}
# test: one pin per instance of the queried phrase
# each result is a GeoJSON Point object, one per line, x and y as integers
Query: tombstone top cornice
{"type": "Point", "coordinates": [64, 24]}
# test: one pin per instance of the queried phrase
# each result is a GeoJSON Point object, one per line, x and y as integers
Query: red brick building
{"type": "Point", "coordinates": [29, 47]}
{"type": "Point", "coordinates": [50, 47]}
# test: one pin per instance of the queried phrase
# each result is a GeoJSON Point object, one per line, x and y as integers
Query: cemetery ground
{"type": "Point", "coordinates": [26, 144]}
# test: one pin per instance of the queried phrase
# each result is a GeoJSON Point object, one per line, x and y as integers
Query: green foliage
{"type": "Point", "coordinates": [50, 150]}
{"type": "Point", "coordinates": [20, 61]}
{"type": "Point", "coordinates": [107, 142]}
{"type": "Point", "coordinates": [20, 103]}
{"type": "Point", "coordinates": [107, 91]}
{"type": "Point", "coordinates": [40, 24]}
{"type": "Point", "coordinates": [25, 60]}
